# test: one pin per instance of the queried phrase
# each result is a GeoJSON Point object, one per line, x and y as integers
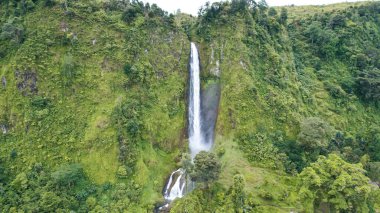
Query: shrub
{"type": "Point", "coordinates": [374, 171]}
{"type": "Point", "coordinates": [131, 13]}
{"type": "Point", "coordinates": [13, 154]}
{"type": "Point", "coordinates": [187, 204]}
{"type": "Point", "coordinates": [206, 167]}
{"type": "Point", "coordinates": [40, 102]}
{"type": "Point", "coordinates": [127, 69]}
{"type": "Point", "coordinates": [221, 151]}
{"type": "Point", "coordinates": [68, 175]}
{"type": "Point", "coordinates": [368, 84]}
{"type": "Point", "coordinates": [342, 185]}
{"type": "Point", "coordinates": [315, 134]}
{"type": "Point", "coordinates": [335, 90]}
{"type": "Point", "coordinates": [122, 172]}
{"type": "Point", "coordinates": [49, 3]}
{"type": "Point", "coordinates": [12, 30]}
{"type": "Point", "coordinates": [257, 148]}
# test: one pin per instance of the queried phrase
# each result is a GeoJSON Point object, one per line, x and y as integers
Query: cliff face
{"type": "Point", "coordinates": [276, 73]}
{"type": "Point", "coordinates": [282, 72]}
{"type": "Point", "coordinates": [82, 85]}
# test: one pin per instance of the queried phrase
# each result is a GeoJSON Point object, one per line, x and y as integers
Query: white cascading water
{"type": "Point", "coordinates": [176, 184]}
{"type": "Point", "coordinates": [196, 142]}
{"type": "Point", "coordinates": [175, 189]}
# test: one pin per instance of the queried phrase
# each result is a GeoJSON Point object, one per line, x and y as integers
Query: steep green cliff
{"type": "Point", "coordinates": [291, 90]}
{"type": "Point", "coordinates": [85, 86]}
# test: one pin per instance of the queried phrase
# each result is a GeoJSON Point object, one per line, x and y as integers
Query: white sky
{"type": "Point", "coordinates": [192, 6]}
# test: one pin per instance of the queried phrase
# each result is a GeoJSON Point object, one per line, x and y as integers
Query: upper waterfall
{"type": "Point", "coordinates": [196, 139]}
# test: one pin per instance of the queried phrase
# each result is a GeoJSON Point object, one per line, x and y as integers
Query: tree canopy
{"type": "Point", "coordinates": [206, 167]}
{"type": "Point", "coordinates": [315, 134]}
{"type": "Point", "coordinates": [343, 186]}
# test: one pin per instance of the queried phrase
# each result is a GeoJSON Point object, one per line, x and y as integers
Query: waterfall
{"type": "Point", "coordinates": [175, 187]}
{"type": "Point", "coordinates": [196, 139]}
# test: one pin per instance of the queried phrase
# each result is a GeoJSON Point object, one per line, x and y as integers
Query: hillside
{"type": "Point", "coordinates": [83, 89]}
{"type": "Point", "coordinates": [296, 12]}
{"type": "Point", "coordinates": [277, 74]}
{"type": "Point", "coordinates": [93, 106]}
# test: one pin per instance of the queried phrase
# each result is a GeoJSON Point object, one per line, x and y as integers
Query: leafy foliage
{"type": "Point", "coordinates": [314, 134]}
{"type": "Point", "coordinates": [12, 30]}
{"type": "Point", "coordinates": [369, 84]}
{"type": "Point", "coordinates": [131, 13]}
{"type": "Point", "coordinates": [206, 167]}
{"type": "Point", "coordinates": [188, 204]}
{"type": "Point", "coordinates": [258, 149]}
{"type": "Point", "coordinates": [341, 185]}
{"type": "Point", "coordinates": [281, 69]}
{"type": "Point", "coordinates": [68, 175]}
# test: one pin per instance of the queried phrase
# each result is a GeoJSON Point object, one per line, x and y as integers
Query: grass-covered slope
{"type": "Point", "coordinates": [297, 12]}
{"type": "Point", "coordinates": [85, 84]}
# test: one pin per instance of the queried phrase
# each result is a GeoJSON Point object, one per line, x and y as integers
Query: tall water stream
{"type": "Point", "coordinates": [200, 130]}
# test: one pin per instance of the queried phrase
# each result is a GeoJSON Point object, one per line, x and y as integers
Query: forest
{"type": "Point", "coordinates": [93, 106]}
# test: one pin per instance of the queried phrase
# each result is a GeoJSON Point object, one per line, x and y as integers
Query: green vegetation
{"type": "Point", "coordinates": [93, 106]}
{"type": "Point", "coordinates": [314, 135]}
{"type": "Point", "coordinates": [341, 185]}
{"type": "Point", "coordinates": [66, 100]}
{"type": "Point", "coordinates": [206, 168]}
{"type": "Point", "coordinates": [293, 89]}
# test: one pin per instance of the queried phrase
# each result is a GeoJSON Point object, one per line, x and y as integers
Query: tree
{"type": "Point", "coordinates": [49, 202]}
{"type": "Point", "coordinates": [131, 13]}
{"type": "Point", "coordinates": [186, 163]}
{"type": "Point", "coordinates": [343, 186]}
{"type": "Point", "coordinates": [116, 5]}
{"type": "Point", "coordinates": [238, 5]}
{"type": "Point", "coordinates": [337, 21]}
{"type": "Point", "coordinates": [284, 15]}
{"type": "Point", "coordinates": [368, 84]}
{"type": "Point", "coordinates": [272, 12]}
{"type": "Point", "coordinates": [20, 182]}
{"type": "Point", "coordinates": [122, 172]}
{"type": "Point", "coordinates": [314, 135]}
{"type": "Point", "coordinates": [49, 3]}
{"type": "Point", "coordinates": [128, 69]}
{"type": "Point", "coordinates": [68, 175]}
{"type": "Point", "coordinates": [374, 171]}
{"type": "Point", "coordinates": [373, 139]}
{"type": "Point", "coordinates": [29, 5]}
{"type": "Point", "coordinates": [3, 173]}
{"type": "Point", "coordinates": [12, 30]}
{"type": "Point", "coordinates": [139, 72]}
{"type": "Point", "coordinates": [206, 167]}
{"type": "Point", "coordinates": [361, 60]}
{"type": "Point", "coordinates": [187, 204]}
{"type": "Point", "coordinates": [313, 32]}
{"type": "Point", "coordinates": [237, 192]}
{"type": "Point", "coordinates": [262, 4]}
{"type": "Point", "coordinates": [324, 40]}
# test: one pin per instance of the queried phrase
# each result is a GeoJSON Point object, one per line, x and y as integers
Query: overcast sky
{"type": "Point", "coordinates": [192, 6]}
